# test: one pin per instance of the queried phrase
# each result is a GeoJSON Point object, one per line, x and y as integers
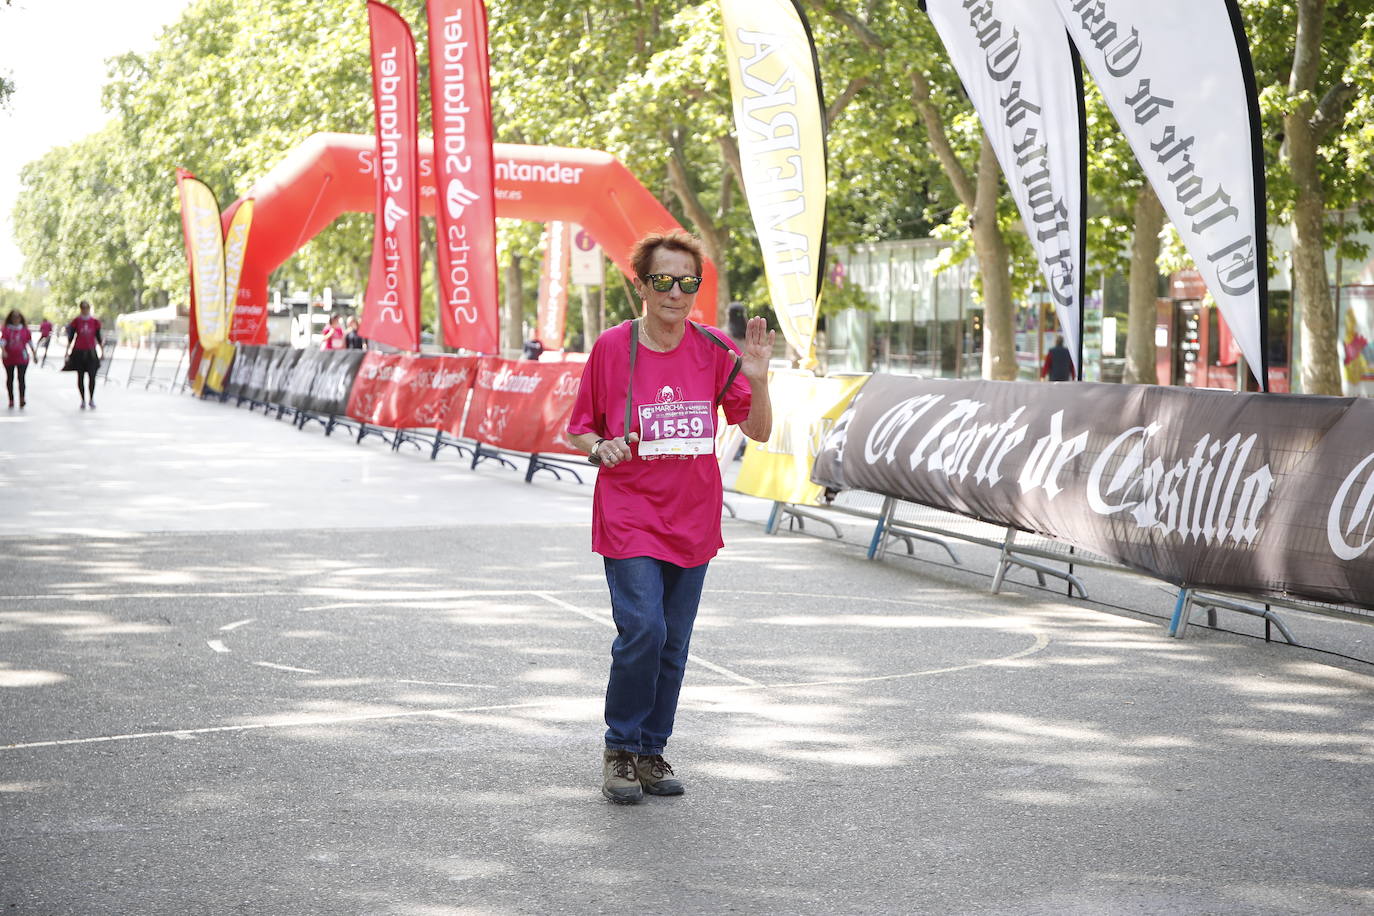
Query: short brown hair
{"type": "Point", "coordinates": [642, 255]}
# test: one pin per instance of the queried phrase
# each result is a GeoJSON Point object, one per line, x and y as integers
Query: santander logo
{"type": "Point", "coordinates": [392, 214]}
{"type": "Point", "coordinates": [458, 198]}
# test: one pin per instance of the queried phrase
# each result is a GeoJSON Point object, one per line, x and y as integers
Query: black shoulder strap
{"type": "Point", "coordinates": [720, 343]}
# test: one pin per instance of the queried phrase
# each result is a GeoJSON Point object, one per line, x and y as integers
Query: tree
{"type": "Point", "coordinates": [908, 43]}
{"type": "Point", "coordinates": [1328, 72]}
{"type": "Point", "coordinates": [646, 81]}
{"type": "Point", "coordinates": [1124, 230]}
{"type": "Point", "coordinates": [6, 84]}
{"type": "Point", "coordinates": [68, 216]}
{"type": "Point", "coordinates": [643, 79]}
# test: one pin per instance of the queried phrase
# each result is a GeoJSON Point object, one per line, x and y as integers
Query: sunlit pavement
{"type": "Point", "coordinates": [246, 668]}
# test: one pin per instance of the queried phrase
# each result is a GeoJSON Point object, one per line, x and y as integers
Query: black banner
{"type": "Point", "coordinates": [279, 374]}
{"type": "Point", "coordinates": [296, 391]}
{"type": "Point", "coordinates": [255, 385]}
{"type": "Point", "coordinates": [240, 371]}
{"type": "Point", "coordinates": [1250, 493]}
{"type": "Point", "coordinates": [334, 382]}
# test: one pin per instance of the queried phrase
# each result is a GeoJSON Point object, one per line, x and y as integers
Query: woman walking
{"type": "Point", "coordinates": [18, 345]}
{"type": "Point", "coordinates": [646, 412]}
{"type": "Point", "coordinates": [85, 347]}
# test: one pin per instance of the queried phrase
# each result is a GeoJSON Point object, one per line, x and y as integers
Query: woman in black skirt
{"type": "Point", "coordinates": [84, 351]}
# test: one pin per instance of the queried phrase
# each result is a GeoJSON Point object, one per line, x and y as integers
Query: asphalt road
{"type": "Point", "coordinates": [245, 668]}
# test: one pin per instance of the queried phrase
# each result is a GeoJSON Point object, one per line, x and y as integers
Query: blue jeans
{"type": "Point", "coordinates": [654, 604]}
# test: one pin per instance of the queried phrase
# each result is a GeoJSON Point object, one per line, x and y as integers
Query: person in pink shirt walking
{"type": "Point", "coordinates": [44, 339]}
{"type": "Point", "coordinates": [646, 412]}
{"type": "Point", "coordinates": [84, 351]}
{"type": "Point", "coordinates": [17, 343]}
{"type": "Point", "coordinates": [333, 336]}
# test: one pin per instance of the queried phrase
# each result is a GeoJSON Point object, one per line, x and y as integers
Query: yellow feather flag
{"type": "Point", "coordinates": [235, 245]}
{"type": "Point", "coordinates": [780, 121]}
{"type": "Point", "coordinates": [200, 224]}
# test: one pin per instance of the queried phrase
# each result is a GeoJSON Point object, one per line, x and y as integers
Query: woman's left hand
{"type": "Point", "coordinates": [757, 350]}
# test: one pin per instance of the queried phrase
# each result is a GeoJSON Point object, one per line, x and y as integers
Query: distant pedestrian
{"type": "Point", "coordinates": [85, 348]}
{"type": "Point", "coordinates": [18, 344]}
{"type": "Point", "coordinates": [1058, 366]}
{"type": "Point", "coordinates": [44, 338]}
{"type": "Point", "coordinates": [353, 339]}
{"type": "Point", "coordinates": [333, 336]}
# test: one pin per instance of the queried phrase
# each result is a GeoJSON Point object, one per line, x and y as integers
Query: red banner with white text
{"type": "Point", "coordinates": [465, 212]}
{"type": "Point", "coordinates": [391, 310]}
{"type": "Point", "coordinates": [402, 391]}
{"type": "Point", "coordinates": [523, 406]}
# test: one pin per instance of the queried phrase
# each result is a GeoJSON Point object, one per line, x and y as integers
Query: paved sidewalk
{"type": "Point", "coordinates": [246, 668]}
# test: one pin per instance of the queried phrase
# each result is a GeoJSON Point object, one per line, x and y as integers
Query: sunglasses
{"type": "Point", "coordinates": [661, 283]}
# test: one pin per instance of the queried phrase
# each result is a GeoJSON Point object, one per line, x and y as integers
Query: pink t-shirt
{"type": "Point", "coordinates": [332, 338]}
{"type": "Point", "coordinates": [666, 507]}
{"type": "Point", "coordinates": [86, 329]}
{"type": "Point", "coordinates": [16, 338]}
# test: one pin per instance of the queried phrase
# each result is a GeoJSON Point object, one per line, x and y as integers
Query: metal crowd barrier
{"type": "Point", "coordinates": [896, 520]}
{"type": "Point", "coordinates": [432, 439]}
{"type": "Point", "coordinates": [160, 363]}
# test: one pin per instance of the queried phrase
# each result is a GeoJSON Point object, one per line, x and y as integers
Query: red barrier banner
{"type": "Point", "coordinates": [465, 212]}
{"type": "Point", "coordinates": [391, 310]}
{"type": "Point", "coordinates": [552, 315]}
{"type": "Point", "coordinates": [402, 391]}
{"type": "Point", "coordinates": [523, 406]}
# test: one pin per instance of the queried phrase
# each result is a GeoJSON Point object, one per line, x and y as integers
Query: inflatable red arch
{"type": "Point", "coordinates": [330, 174]}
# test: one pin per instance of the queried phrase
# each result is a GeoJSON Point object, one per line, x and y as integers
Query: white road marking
{"type": "Point", "coordinates": [118, 596]}
{"type": "Point", "coordinates": [285, 668]}
{"type": "Point", "coordinates": [297, 722]}
{"type": "Point", "coordinates": [1041, 641]}
{"type": "Point", "coordinates": [217, 645]}
{"type": "Point", "coordinates": [605, 619]}
{"type": "Point", "coordinates": [236, 624]}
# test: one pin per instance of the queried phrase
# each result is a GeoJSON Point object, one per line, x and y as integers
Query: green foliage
{"type": "Point", "coordinates": [232, 87]}
{"type": "Point", "coordinates": [32, 301]}
{"type": "Point", "coordinates": [839, 297]}
{"type": "Point", "coordinates": [6, 84]}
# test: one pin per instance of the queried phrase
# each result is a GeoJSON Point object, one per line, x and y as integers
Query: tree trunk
{"type": "Point", "coordinates": [591, 319]}
{"type": "Point", "coordinates": [1144, 289]}
{"type": "Point", "coordinates": [994, 265]}
{"type": "Point", "coordinates": [715, 235]}
{"type": "Point", "coordinates": [514, 333]}
{"type": "Point", "coordinates": [1311, 293]}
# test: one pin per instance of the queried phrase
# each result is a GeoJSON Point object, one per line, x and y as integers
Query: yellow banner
{"type": "Point", "coordinates": [201, 373]}
{"type": "Point", "coordinates": [235, 244]}
{"type": "Point", "coordinates": [804, 409]}
{"type": "Point", "coordinates": [220, 359]}
{"type": "Point", "coordinates": [780, 120]}
{"type": "Point", "coordinates": [205, 247]}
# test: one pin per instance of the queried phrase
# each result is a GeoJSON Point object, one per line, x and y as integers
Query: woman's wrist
{"type": "Point", "coordinates": [592, 456]}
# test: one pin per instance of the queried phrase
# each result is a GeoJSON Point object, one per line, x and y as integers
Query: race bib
{"type": "Point", "coordinates": [677, 428]}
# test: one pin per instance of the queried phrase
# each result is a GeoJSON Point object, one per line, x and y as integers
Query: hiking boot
{"type": "Point", "coordinates": [656, 776]}
{"type": "Point", "coordinates": [619, 782]}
